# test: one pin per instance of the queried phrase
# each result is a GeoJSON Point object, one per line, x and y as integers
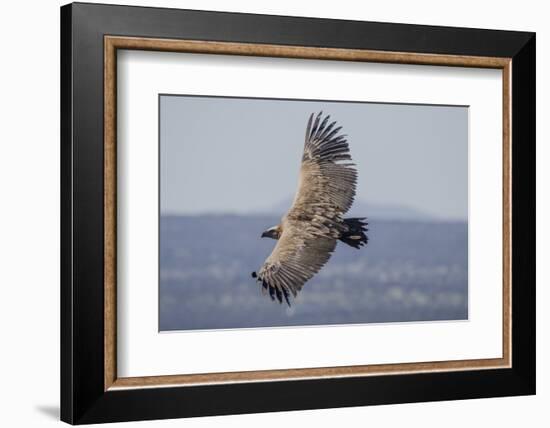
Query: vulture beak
{"type": "Point", "coordinates": [272, 232]}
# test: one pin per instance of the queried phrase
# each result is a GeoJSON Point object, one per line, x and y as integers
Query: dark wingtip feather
{"type": "Point", "coordinates": [285, 293]}
{"type": "Point", "coordinates": [323, 140]}
{"type": "Point", "coordinates": [308, 128]}
{"type": "Point", "coordinates": [263, 288]}
{"type": "Point", "coordinates": [271, 292]}
{"type": "Point", "coordinates": [279, 295]}
{"type": "Point", "coordinates": [274, 292]}
{"type": "Point", "coordinates": [315, 125]}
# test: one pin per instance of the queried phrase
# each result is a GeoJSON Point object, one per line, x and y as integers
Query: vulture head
{"type": "Point", "coordinates": [273, 232]}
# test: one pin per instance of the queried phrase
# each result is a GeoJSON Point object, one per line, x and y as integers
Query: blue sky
{"type": "Point", "coordinates": [234, 155]}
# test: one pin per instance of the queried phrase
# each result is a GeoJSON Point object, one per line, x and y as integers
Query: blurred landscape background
{"type": "Point", "coordinates": [413, 269]}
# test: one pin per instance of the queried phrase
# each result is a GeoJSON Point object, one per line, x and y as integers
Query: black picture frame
{"type": "Point", "coordinates": [83, 397]}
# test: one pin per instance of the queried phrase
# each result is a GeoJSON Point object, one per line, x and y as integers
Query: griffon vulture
{"type": "Point", "coordinates": [307, 234]}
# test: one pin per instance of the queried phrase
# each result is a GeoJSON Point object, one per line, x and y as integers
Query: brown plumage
{"type": "Point", "coordinates": [308, 233]}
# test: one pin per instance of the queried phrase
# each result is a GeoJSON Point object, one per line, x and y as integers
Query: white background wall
{"type": "Point", "coordinates": [29, 214]}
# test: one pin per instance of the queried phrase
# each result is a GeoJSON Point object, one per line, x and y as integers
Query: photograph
{"type": "Point", "coordinates": [293, 212]}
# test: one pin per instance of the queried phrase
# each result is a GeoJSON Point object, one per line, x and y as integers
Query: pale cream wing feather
{"type": "Point", "coordinates": [299, 254]}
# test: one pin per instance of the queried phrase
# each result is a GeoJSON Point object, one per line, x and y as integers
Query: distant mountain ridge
{"type": "Point", "coordinates": [372, 211]}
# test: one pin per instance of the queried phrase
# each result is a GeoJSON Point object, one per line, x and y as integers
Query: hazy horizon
{"type": "Point", "coordinates": [359, 208]}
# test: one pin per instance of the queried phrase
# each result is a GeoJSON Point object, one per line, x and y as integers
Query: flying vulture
{"type": "Point", "coordinates": [308, 233]}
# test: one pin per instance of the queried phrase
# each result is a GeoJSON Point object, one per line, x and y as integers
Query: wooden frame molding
{"type": "Point", "coordinates": [113, 43]}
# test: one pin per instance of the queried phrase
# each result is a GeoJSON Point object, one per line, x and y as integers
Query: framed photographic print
{"type": "Point", "coordinates": [265, 213]}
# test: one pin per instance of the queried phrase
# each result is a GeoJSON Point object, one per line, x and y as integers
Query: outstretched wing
{"type": "Point", "coordinates": [326, 190]}
{"type": "Point", "coordinates": [328, 178]}
{"type": "Point", "coordinates": [299, 254]}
